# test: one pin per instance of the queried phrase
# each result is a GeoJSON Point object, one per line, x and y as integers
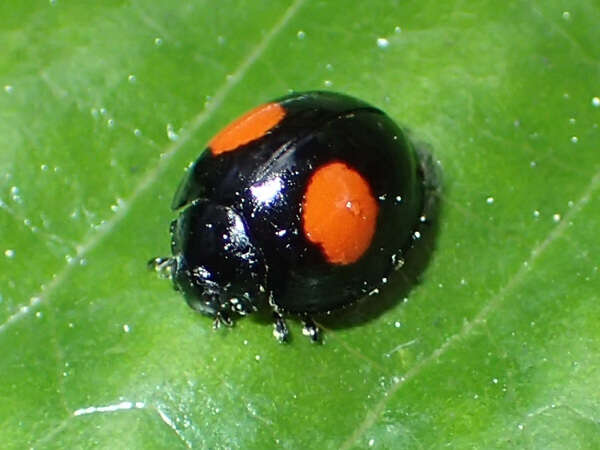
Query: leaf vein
{"type": "Point", "coordinates": [570, 38]}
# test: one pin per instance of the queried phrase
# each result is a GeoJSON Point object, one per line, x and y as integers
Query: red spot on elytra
{"type": "Point", "coordinates": [339, 212]}
{"type": "Point", "coordinates": [251, 126]}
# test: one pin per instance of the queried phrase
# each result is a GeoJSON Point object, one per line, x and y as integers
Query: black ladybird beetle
{"type": "Point", "coordinates": [304, 205]}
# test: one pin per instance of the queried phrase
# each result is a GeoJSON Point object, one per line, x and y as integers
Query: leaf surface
{"type": "Point", "coordinates": [103, 106]}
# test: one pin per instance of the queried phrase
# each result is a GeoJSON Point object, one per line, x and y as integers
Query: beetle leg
{"type": "Point", "coordinates": [222, 318]}
{"type": "Point", "coordinates": [164, 266]}
{"type": "Point", "coordinates": [310, 329]}
{"type": "Point", "coordinates": [280, 329]}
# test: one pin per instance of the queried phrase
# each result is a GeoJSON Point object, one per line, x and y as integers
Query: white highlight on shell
{"type": "Point", "coordinates": [267, 191]}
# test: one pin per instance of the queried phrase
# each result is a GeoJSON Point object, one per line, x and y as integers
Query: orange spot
{"type": "Point", "coordinates": [339, 212]}
{"type": "Point", "coordinates": [252, 125]}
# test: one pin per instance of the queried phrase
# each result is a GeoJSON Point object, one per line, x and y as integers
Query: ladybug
{"type": "Point", "coordinates": [303, 205]}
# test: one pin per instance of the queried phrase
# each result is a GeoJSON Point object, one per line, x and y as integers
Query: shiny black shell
{"type": "Point", "coordinates": [264, 181]}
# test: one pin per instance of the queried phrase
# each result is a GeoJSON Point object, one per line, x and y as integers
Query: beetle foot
{"type": "Point", "coordinates": [311, 329]}
{"type": "Point", "coordinates": [222, 318]}
{"type": "Point", "coordinates": [164, 266]}
{"type": "Point", "coordinates": [280, 329]}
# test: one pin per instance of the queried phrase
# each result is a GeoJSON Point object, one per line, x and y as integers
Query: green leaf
{"type": "Point", "coordinates": [104, 103]}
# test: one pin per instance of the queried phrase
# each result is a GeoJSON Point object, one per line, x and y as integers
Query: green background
{"type": "Point", "coordinates": [102, 105]}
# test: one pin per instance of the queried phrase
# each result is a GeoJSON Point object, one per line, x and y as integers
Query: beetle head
{"type": "Point", "coordinates": [215, 263]}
